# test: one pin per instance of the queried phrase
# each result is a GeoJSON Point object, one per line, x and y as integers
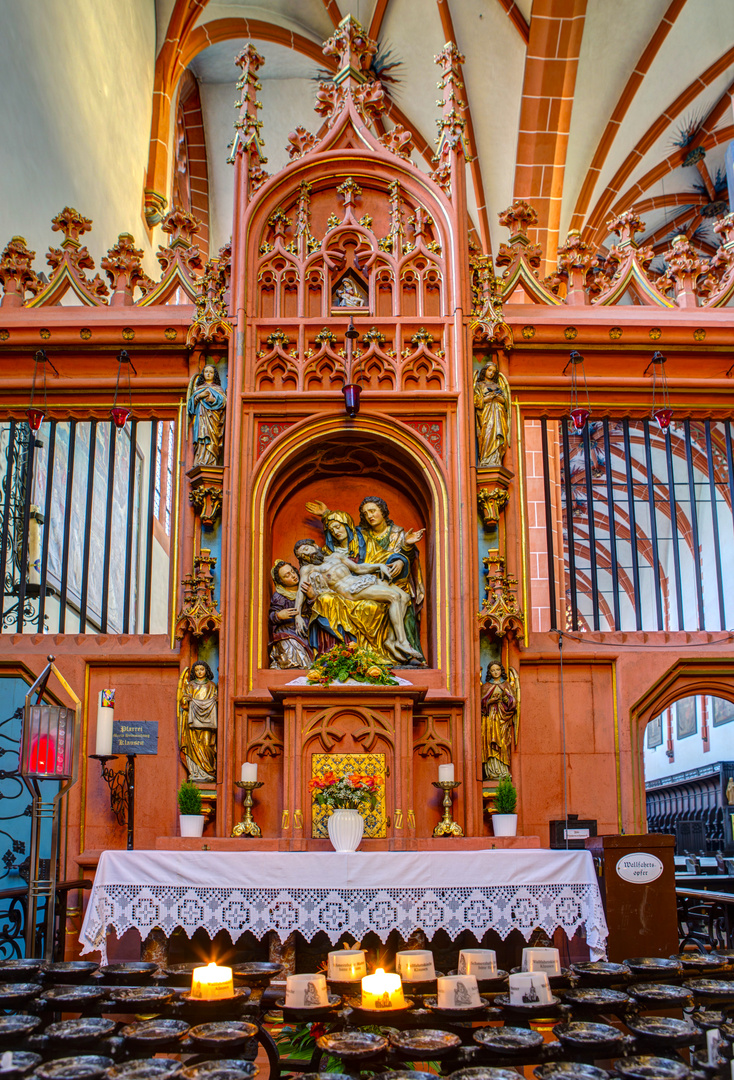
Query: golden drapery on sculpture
{"type": "Point", "coordinates": [500, 720]}
{"type": "Point", "coordinates": [197, 722]}
{"type": "Point", "coordinates": [492, 412]}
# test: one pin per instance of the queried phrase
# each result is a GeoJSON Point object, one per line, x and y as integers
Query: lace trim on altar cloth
{"type": "Point", "coordinates": [502, 908]}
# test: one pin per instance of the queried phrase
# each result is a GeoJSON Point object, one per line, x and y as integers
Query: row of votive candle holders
{"type": "Point", "coordinates": [384, 990]}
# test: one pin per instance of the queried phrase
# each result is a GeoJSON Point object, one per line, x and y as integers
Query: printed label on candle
{"type": "Point", "coordinates": [347, 965]}
{"type": "Point", "coordinates": [479, 962]}
{"type": "Point", "coordinates": [530, 988]}
{"type": "Point", "coordinates": [107, 699]}
{"type": "Point", "coordinates": [415, 965]}
{"type": "Point", "coordinates": [548, 960]}
{"type": "Point", "coordinates": [457, 992]}
{"type": "Point", "coordinates": [306, 991]}
{"type": "Point", "coordinates": [212, 983]}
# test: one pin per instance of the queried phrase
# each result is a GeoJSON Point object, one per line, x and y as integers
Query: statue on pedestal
{"type": "Point", "coordinates": [197, 722]}
{"type": "Point", "coordinates": [492, 413]}
{"type": "Point", "coordinates": [206, 402]}
{"type": "Point", "coordinates": [500, 720]}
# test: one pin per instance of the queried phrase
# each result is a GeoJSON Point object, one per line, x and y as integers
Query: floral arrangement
{"type": "Point", "coordinates": [344, 792]}
{"type": "Point", "coordinates": [344, 662]}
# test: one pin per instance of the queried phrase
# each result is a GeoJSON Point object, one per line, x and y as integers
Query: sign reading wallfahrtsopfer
{"type": "Point", "coordinates": [639, 867]}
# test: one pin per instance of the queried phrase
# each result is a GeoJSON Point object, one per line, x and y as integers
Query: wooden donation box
{"type": "Point", "coordinates": [637, 881]}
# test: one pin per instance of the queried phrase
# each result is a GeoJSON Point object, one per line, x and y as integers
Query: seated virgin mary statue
{"type": "Point", "coordinates": [363, 584]}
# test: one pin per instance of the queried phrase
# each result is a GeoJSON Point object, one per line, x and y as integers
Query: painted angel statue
{"type": "Point", "coordinates": [196, 702]}
{"type": "Point", "coordinates": [492, 412]}
{"type": "Point", "coordinates": [500, 720]}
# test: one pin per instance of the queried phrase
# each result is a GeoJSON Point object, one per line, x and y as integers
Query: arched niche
{"type": "Point", "coordinates": [341, 471]}
{"type": "Point", "coordinates": [328, 461]}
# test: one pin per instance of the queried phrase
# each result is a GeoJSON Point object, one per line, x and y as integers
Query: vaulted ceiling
{"type": "Point", "coordinates": [583, 107]}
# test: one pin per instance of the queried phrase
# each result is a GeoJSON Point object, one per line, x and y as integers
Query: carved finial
{"type": "Point", "coordinates": [349, 191]}
{"type": "Point", "coordinates": [575, 260]}
{"type": "Point", "coordinates": [17, 275]}
{"type": "Point", "coordinates": [353, 49]}
{"type": "Point", "coordinates": [451, 141]}
{"type": "Point", "coordinates": [72, 224]}
{"type": "Point", "coordinates": [248, 140]}
{"type": "Point", "coordinates": [210, 322]}
{"type": "Point", "coordinates": [518, 218]}
{"type": "Point", "coordinates": [684, 268]}
{"type": "Point", "coordinates": [123, 268]}
{"type": "Point", "coordinates": [625, 226]}
{"type": "Point", "coordinates": [181, 227]}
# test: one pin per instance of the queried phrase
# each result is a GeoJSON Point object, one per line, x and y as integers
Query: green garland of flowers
{"type": "Point", "coordinates": [344, 662]}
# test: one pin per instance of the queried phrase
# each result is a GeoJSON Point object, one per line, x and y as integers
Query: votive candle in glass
{"type": "Point", "coordinates": [211, 983]}
{"type": "Point", "coordinates": [383, 990]}
{"type": "Point", "coordinates": [347, 965]}
{"type": "Point", "coordinates": [415, 965]}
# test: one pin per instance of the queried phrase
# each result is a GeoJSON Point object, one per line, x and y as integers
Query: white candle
{"type": "Point", "coordinates": [105, 716]}
{"type": "Point", "coordinates": [248, 772]}
{"type": "Point", "coordinates": [211, 983]}
{"type": "Point", "coordinates": [446, 773]}
{"type": "Point", "coordinates": [415, 965]}
{"type": "Point", "coordinates": [347, 965]}
{"type": "Point", "coordinates": [457, 992]}
{"type": "Point", "coordinates": [547, 960]}
{"type": "Point", "coordinates": [382, 990]}
{"type": "Point", "coordinates": [306, 991]}
{"type": "Point", "coordinates": [713, 1038]}
{"type": "Point", "coordinates": [479, 962]}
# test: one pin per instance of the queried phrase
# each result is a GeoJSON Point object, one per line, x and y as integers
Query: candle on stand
{"type": "Point", "coordinates": [446, 773]}
{"type": "Point", "coordinates": [347, 965]}
{"type": "Point", "coordinates": [248, 772]}
{"type": "Point", "coordinates": [415, 965]}
{"type": "Point", "coordinates": [105, 718]}
{"type": "Point", "coordinates": [383, 990]}
{"type": "Point", "coordinates": [713, 1039]}
{"type": "Point", "coordinates": [212, 983]}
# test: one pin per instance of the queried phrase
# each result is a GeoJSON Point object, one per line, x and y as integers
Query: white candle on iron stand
{"type": "Point", "coordinates": [248, 772]}
{"type": "Point", "coordinates": [105, 718]}
{"type": "Point", "coordinates": [713, 1038]}
{"type": "Point", "coordinates": [446, 773]}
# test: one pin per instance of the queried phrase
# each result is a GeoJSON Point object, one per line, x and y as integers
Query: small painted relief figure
{"type": "Point", "coordinates": [197, 721]}
{"type": "Point", "coordinates": [288, 648]}
{"type": "Point", "coordinates": [500, 720]}
{"type": "Point", "coordinates": [206, 403]}
{"type": "Point", "coordinates": [348, 295]}
{"type": "Point", "coordinates": [492, 412]}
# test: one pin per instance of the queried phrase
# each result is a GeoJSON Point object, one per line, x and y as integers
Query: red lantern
{"type": "Point", "coordinates": [579, 417]}
{"type": "Point", "coordinates": [351, 398]}
{"type": "Point", "coordinates": [120, 416]}
{"type": "Point", "coordinates": [663, 417]}
{"type": "Point", "coordinates": [35, 419]}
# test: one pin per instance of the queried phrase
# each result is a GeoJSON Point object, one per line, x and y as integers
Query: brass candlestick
{"type": "Point", "coordinates": [247, 827]}
{"type": "Point", "coordinates": [447, 826]}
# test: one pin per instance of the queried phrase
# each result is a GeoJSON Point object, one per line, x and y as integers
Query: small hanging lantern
{"type": "Point", "coordinates": [121, 413]}
{"type": "Point", "coordinates": [36, 415]}
{"type": "Point", "coordinates": [351, 390]}
{"type": "Point", "coordinates": [579, 413]}
{"type": "Point", "coordinates": [661, 410]}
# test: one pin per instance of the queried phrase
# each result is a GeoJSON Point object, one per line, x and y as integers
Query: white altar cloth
{"type": "Point", "coordinates": [504, 890]}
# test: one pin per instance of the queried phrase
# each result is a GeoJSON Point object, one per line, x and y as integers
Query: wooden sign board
{"type": "Point", "coordinates": [135, 737]}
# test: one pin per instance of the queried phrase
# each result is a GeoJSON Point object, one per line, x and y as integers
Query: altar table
{"type": "Point", "coordinates": [354, 893]}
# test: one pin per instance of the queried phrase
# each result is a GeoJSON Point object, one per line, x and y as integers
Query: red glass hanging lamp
{"type": "Point", "coordinates": [579, 413]}
{"type": "Point", "coordinates": [351, 390]}
{"type": "Point", "coordinates": [121, 413]}
{"type": "Point", "coordinates": [661, 410]}
{"type": "Point", "coordinates": [34, 414]}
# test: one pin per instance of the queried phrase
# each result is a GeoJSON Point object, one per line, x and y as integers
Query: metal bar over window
{"type": "Point", "coordinates": [88, 526]}
{"type": "Point", "coordinates": [633, 523]}
{"type": "Point", "coordinates": [27, 494]}
{"type": "Point", "coordinates": [715, 524]}
{"type": "Point", "coordinates": [6, 515]}
{"type": "Point", "coordinates": [47, 510]}
{"type": "Point", "coordinates": [591, 527]}
{"type": "Point", "coordinates": [104, 609]}
{"type": "Point", "coordinates": [549, 525]}
{"type": "Point", "coordinates": [151, 517]}
{"type": "Point", "coordinates": [128, 526]}
{"type": "Point", "coordinates": [674, 529]}
{"type": "Point", "coordinates": [694, 526]}
{"type": "Point", "coordinates": [67, 527]}
{"type": "Point", "coordinates": [653, 526]}
{"type": "Point", "coordinates": [570, 540]}
{"type": "Point", "coordinates": [612, 525]}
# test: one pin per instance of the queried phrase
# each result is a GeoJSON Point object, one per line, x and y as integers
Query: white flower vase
{"type": "Point", "coordinates": [191, 824]}
{"type": "Point", "coordinates": [504, 824]}
{"type": "Point", "coordinates": [345, 829]}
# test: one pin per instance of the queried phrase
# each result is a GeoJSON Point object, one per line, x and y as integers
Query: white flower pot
{"type": "Point", "coordinates": [191, 824]}
{"type": "Point", "coordinates": [504, 824]}
{"type": "Point", "coordinates": [345, 829]}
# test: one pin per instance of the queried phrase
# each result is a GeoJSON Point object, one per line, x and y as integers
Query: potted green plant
{"type": "Point", "coordinates": [504, 818]}
{"type": "Point", "coordinates": [345, 794]}
{"type": "Point", "coordinates": [191, 819]}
